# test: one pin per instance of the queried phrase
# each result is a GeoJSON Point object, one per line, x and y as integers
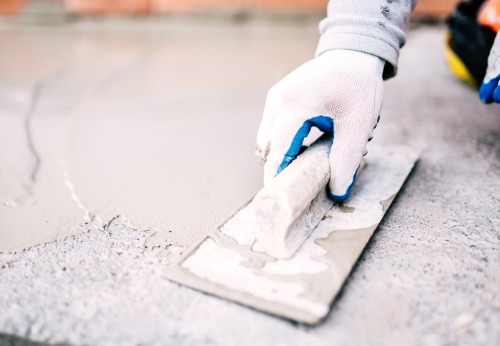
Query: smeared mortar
{"type": "Point", "coordinates": [301, 287]}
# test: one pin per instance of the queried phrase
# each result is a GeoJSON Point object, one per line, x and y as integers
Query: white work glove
{"type": "Point", "coordinates": [490, 89]}
{"type": "Point", "coordinates": [340, 92]}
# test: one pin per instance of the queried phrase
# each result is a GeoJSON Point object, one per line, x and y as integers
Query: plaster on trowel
{"type": "Point", "coordinates": [293, 203]}
{"type": "Point", "coordinates": [289, 251]}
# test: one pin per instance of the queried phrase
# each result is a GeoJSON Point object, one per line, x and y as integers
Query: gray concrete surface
{"type": "Point", "coordinates": [430, 275]}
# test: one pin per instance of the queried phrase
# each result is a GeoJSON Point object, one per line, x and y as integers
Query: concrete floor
{"type": "Point", "coordinates": [430, 275]}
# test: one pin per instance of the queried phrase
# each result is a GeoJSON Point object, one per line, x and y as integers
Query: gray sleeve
{"type": "Point", "coordinates": [376, 27]}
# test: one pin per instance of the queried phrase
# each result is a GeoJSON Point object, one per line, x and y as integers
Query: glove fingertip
{"type": "Point", "coordinates": [487, 90]}
{"type": "Point", "coordinates": [340, 198]}
{"type": "Point", "coordinates": [343, 197]}
{"type": "Point", "coordinates": [485, 93]}
{"type": "Point", "coordinates": [496, 95]}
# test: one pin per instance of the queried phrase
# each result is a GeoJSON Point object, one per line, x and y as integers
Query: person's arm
{"type": "Point", "coordinates": [340, 91]}
{"type": "Point", "coordinates": [376, 27]}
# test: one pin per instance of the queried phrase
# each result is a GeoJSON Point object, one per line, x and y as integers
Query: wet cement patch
{"type": "Point", "coordinates": [144, 130]}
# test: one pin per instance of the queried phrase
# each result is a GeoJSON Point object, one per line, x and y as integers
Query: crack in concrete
{"type": "Point", "coordinates": [28, 128]}
{"type": "Point", "coordinates": [89, 217]}
{"type": "Point", "coordinates": [29, 132]}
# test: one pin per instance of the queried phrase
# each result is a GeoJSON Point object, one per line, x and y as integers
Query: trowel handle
{"type": "Point", "coordinates": [285, 198]}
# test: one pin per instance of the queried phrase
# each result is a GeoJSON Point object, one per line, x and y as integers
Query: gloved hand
{"type": "Point", "coordinates": [490, 89]}
{"type": "Point", "coordinates": [340, 92]}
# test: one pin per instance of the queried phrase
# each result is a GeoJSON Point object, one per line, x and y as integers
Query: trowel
{"type": "Point", "coordinates": [289, 250]}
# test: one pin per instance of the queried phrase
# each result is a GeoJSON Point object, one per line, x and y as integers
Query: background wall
{"type": "Point", "coordinates": [425, 8]}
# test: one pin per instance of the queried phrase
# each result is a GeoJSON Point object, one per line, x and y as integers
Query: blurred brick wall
{"type": "Point", "coordinates": [108, 6]}
{"type": "Point", "coordinates": [184, 6]}
{"type": "Point", "coordinates": [434, 8]}
{"type": "Point", "coordinates": [425, 8]}
{"type": "Point", "coordinates": [11, 6]}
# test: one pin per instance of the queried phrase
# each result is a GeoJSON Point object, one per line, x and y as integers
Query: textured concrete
{"type": "Point", "coordinates": [430, 275]}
